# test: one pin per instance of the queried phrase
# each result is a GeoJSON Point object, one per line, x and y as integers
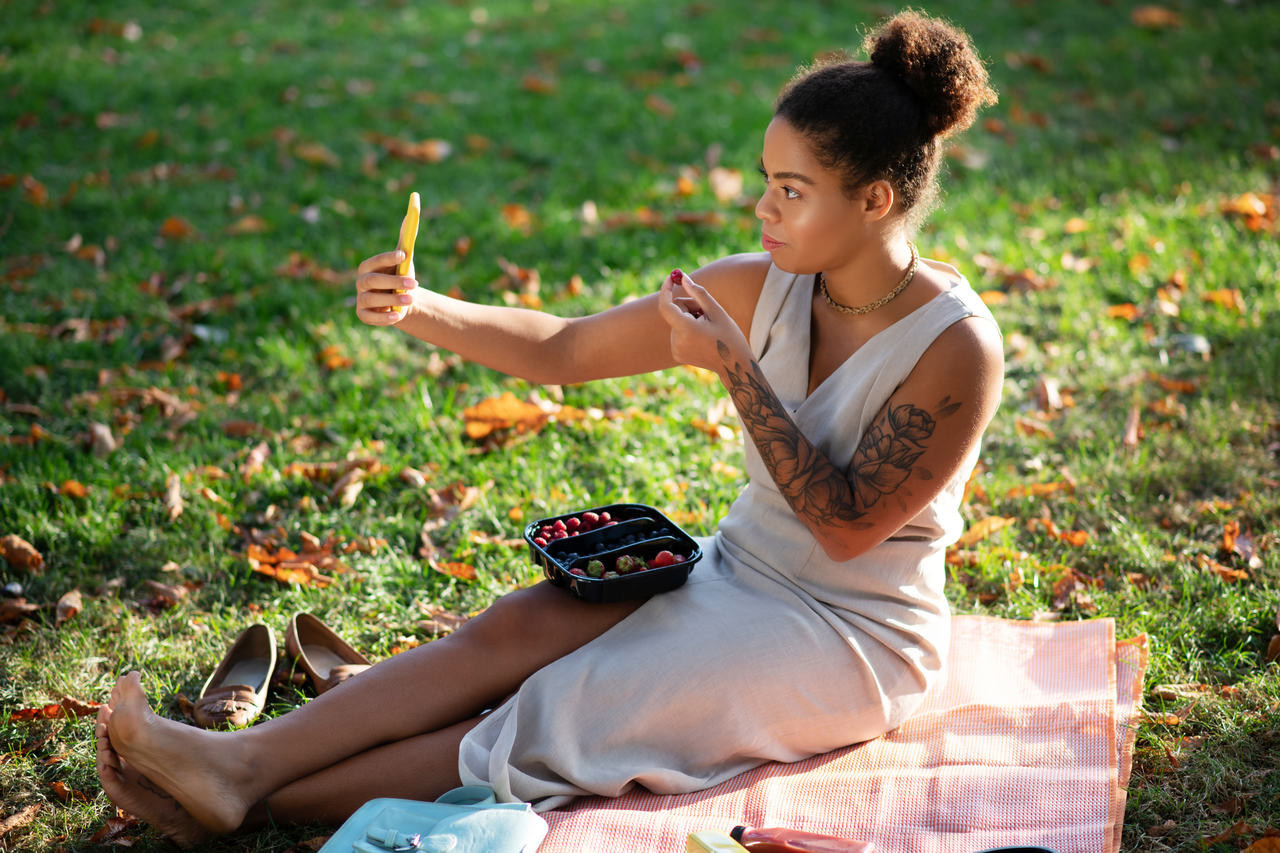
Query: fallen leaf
{"type": "Point", "coordinates": [316, 154]}
{"type": "Point", "coordinates": [440, 621]}
{"type": "Point", "coordinates": [19, 819]}
{"type": "Point", "coordinates": [982, 529]}
{"type": "Point", "coordinates": [254, 461]}
{"type": "Point", "coordinates": [173, 504]}
{"type": "Point", "coordinates": [1227, 573]}
{"type": "Point", "coordinates": [1155, 18]}
{"type": "Point", "coordinates": [73, 489]}
{"type": "Point", "coordinates": [65, 708]}
{"type": "Point", "coordinates": [332, 358]}
{"type": "Point", "coordinates": [726, 184]}
{"type": "Point", "coordinates": [517, 216]}
{"type": "Point", "coordinates": [21, 554]}
{"type": "Point", "coordinates": [101, 441]}
{"type": "Point", "coordinates": [537, 84]}
{"type": "Point", "coordinates": [242, 429]}
{"type": "Point", "coordinates": [14, 610]}
{"type": "Point", "coordinates": [412, 477]}
{"type": "Point", "coordinates": [1227, 297]}
{"type": "Point", "coordinates": [461, 571]}
{"type": "Point", "coordinates": [657, 104]}
{"type": "Point", "coordinates": [176, 228]}
{"type": "Point", "coordinates": [503, 413]}
{"type": "Point", "coordinates": [1126, 311]}
{"type": "Point", "coordinates": [68, 606]}
{"type": "Point", "coordinates": [1132, 428]}
{"type": "Point", "coordinates": [111, 831]}
{"type": "Point", "coordinates": [1270, 844]}
{"type": "Point", "coordinates": [348, 488]}
{"type": "Point", "coordinates": [250, 224]}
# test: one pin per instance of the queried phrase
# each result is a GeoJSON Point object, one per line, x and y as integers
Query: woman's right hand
{"type": "Point", "coordinates": [377, 302]}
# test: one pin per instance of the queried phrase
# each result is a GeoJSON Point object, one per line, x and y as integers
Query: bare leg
{"type": "Point", "coordinates": [218, 776]}
{"type": "Point", "coordinates": [417, 768]}
{"type": "Point", "coordinates": [137, 795]}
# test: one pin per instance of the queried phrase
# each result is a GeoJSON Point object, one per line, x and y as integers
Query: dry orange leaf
{"type": "Point", "coordinates": [538, 85]}
{"type": "Point", "coordinates": [517, 216]}
{"type": "Point", "coordinates": [73, 489]}
{"type": "Point", "coordinates": [982, 529]}
{"type": "Point", "coordinates": [173, 503]}
{"type": "Point", "coordinates": [250, 224]}
{"type": "Point", "coordinates": [657, 104]}
{"type": "Point", "coordinates": [69, 605]}
{"type": "Point", "coordinates": [461, 571]}
{"type": "Point", "coordinates": [1155, 18]}
{"type": "Point", "coordinates": [65, 708]}
{"type": "Point", "coordinates": [1126, 311]}
{"type": "Point", "coordinates": [110, 832]}
{"type": "Point", "coordinates": [503, 413]}
{"type": "Point", "coordinates": [1071, 537]}
{"type": "Point", "coordinates": [1030, 426]}
{"type": "Point", "coordinates": [21, 554]}
{"type": "Point", "coordinates": [1227, 573]}
{"type": "Point", "coordinates": [726, 184]}
{"type": "Point", "coordinates": [1227, 297]}
{"type": "Point", "coordinates": [1270, 844]}
{"type": "Point", "coordinates": [316, 154]}
{"type": "Point", "coordinates": [19, 819]}
{"type": "Point", "coordinates": [254, 461]}
{"type": "Point", "coordinates": [176, 228]}
{"type": "Point", "coordinates": [1132, 428]}
{"type": "Point", "coordinates": [332, 358]}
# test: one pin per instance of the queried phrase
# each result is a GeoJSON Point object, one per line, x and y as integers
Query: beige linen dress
{"type": "Point", "coordinates": [772, 651]}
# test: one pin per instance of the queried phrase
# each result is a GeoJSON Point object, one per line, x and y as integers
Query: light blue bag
{"type": "Point", "coordinates": [464, 820]}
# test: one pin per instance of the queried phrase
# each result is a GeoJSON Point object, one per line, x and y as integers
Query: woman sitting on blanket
{"type": "Point", "coordinates": [864, 377]}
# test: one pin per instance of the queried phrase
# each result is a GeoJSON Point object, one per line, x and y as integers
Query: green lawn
{"type": "Point", "coordinates": [185, 189]}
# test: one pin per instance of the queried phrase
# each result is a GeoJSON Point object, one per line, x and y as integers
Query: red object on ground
{"type": "Point", "coordinates": [781, 840]}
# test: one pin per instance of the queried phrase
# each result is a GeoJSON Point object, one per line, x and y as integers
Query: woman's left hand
{"type": "Point", "coordinates": [702, 332]}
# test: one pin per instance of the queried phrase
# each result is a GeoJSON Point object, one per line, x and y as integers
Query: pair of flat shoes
{"type": "Point", "coordinates": [236, 692]}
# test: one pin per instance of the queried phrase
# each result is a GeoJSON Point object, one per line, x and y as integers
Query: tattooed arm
{"type": "Point", "coordinates": [906, 456]}
{"type": "Point", "coordinates": [913, 448]}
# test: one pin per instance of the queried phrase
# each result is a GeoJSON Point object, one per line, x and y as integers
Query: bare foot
{"type": "Point", "coordinates": [139, 796]}
{"type": "Point", "coordinates": [197, 768]}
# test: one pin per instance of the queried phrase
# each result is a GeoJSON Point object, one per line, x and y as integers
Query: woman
{"type": "Point", "coordinates": [864, 377]}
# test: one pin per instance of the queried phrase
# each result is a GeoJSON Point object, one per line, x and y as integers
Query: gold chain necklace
{"type": "Point", "coordinates": [883, 300]}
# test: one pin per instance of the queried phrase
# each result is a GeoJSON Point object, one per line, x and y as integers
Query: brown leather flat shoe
{"type": "Point", "coordinates": [323, 655]}
{"type": "Point", "coordinates": [237, 691]}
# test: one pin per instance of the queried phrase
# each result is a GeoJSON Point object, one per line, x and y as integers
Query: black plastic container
{"type": "Point", "coordinates": [638, 529]}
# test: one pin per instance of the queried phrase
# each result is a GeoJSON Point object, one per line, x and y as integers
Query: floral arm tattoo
{"type": "Point", "coordinates": [818, 492]}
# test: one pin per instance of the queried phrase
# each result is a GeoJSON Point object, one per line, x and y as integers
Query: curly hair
{"type": "Point", "coordinates": [885, 118]}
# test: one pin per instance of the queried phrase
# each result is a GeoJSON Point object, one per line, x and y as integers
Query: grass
{"type": "Point", "coordinates": [1098, 182]}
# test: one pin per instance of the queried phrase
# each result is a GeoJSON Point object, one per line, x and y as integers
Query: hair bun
{"type": "Point", "coordinates": [938, 63]}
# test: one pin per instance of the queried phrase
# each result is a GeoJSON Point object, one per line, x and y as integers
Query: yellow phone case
{"type": "Point", "coordinates": [409, 233]}
{"type": "Point", "coordinates": [712, 841]}
{"type": "Point", "coordinates": [408, 236]}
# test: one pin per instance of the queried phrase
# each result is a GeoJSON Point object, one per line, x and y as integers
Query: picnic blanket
{"type": "Point", "coordinates": [1027, 741]}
